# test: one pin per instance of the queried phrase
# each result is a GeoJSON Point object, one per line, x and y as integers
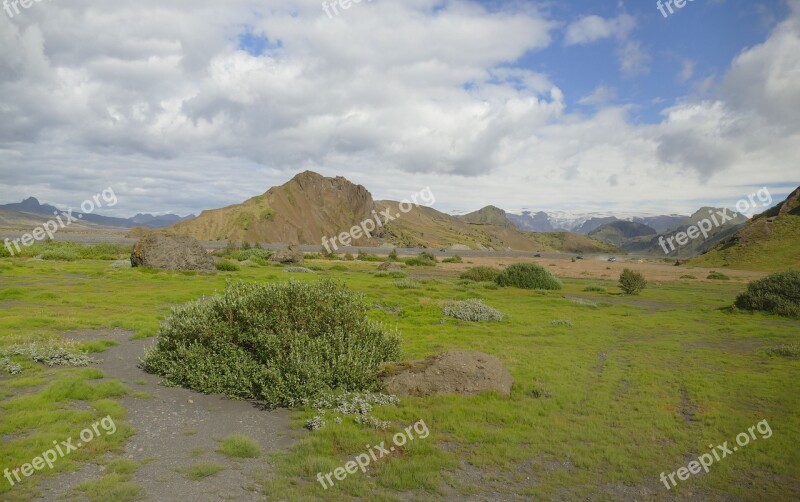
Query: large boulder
{"type": "Point", "coordinates": [170, 252]}
{"type": "Point", "coordinates": [456, 371]}
{"type": "Point", "coordinates": [290, 256]}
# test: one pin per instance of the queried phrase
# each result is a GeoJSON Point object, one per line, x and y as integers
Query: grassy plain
{"type": "Point", "coordinates": [633, 387]}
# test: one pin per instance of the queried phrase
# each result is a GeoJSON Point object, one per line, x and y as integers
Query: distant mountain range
{"type": "Point", "coordinates": [584, 223]}
{"type": "Point", "coordinates": [310, 207]}
{"type": "Point", "coordinates": [33, 206]}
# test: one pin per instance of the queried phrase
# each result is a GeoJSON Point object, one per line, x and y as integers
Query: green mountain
{"type": "Point", "coordinates": [770, 241]}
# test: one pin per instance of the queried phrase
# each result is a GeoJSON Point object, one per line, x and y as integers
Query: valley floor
{"type": "Point", "coordinates": [623, 389]}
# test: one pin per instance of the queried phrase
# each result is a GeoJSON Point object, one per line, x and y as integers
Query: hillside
{"type": "Point", "coordinates": [310, 207]}
{"type": "Point", "coordinates": [489, 215]}
{"type": "Point", "coordinates": [619, 232]}
{"type": "Point", "coordinates": [769, 242]}
{"type": "Point", "coordinates": [301, 211]}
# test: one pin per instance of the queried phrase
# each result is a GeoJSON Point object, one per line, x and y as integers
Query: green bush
{"type": "Point", "coordinates": [364, 256]}
{"type": "Point", "coordinates": [424, 259]}
{"type": "Point", "coordinates": [453, 259]}
{"type": "Point", "coordinates": [473, 310]}
{"type": "Point", "coordinates": [277, 343]}
{"type": "Point", "coordinates": [59, 255]}
{"type": "Point", "coordinates": [407, 284]}
{"type": "Point", "coordinates": [778, 294]}
{"type": "Point", "coordinates": [339, 268]}
{"type": "Point", "coordinates": [250, 254]}
{"type": "Point", "coordinates": [393, 255]}
{"type": "Point", "coordinates": [481, 274]}
{"type": "Point", "coordinates": [595, 289]}
{"type": "Point", "coordinates": [631, 282]}
{"type": "Point", "coordinates": [688, 276]}
{"type": "Point", "coordinates": [228, 266]}
{"type": "Point", "coordinates": [718, 276]}
{"type": "Point", "coordinates": [528, 276]}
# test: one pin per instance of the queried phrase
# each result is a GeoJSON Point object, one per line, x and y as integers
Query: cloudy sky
{"type": "Point", "coordinates": [184, 105]}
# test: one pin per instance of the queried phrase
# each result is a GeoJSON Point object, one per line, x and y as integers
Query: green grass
{"type": "Point", "coordinates": [202, 470]}
{"type": "Point", "coordinates": [634, 387]}
{"type": "Point", "coordinates": [239, 446]}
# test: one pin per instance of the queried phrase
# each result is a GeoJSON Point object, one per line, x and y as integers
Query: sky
{"type": "Point", "coordinates": [185, 105]}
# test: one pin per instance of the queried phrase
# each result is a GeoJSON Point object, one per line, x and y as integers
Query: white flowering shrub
{"type": "Point", "coordinates": [472, 310]}
{"type": "Point", "coordinates": [61, 353]}
{"type": "Point", "coordinates": [279, 343]}
{"type": "Point", "coordinates": [350, 403]}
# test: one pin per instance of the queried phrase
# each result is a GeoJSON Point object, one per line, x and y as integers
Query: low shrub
{"type": "Point", "coordinates": [528, 276]}
{"type": "Point", "coordinates": [408, 284]}
{"type": "Point", "coordinates": [632, 282]}
{"type": "Point", "coordinates": [395, 274]}
{"type": "Point", "coordinates": [250, 254]}
{"type": "Point", "coordinates": [481, 274]}
{"type": "Point", "coordinates": [687, 276]}
{"type": "Point", "coordinates": [228, 266]}
{"type": "Point", "coordinates": [316, 268]}
{"type": "Point", "coordinates": [364, 256]}
{"type": "Point", "coordinates": [348, 257]}
{"type": "Point", "coordinates": [595, 289]}
{"type": "Point", "coordinates": [298, 270]}
{"type": "Point", "coordinates": [424, 259]}
{"type": "Point", "coordinates": [718, 276]}
{"type": "Point", "coordinates": [791, 350]}
{"type": "Point", "coordinates": [472, 310]}
{"type": "Point", "coordinates": [278, 343]}
{"type": "Point", "coordinates": [59, 255]}
{"type": "Point", "coordinates": [61, 353]}
{"type": "Point", "coordinates": [453, 259]}
{"type": "Point", "coordinates": [339, 268]}
{"type": "Point", "coordinates": [778, 293]}
{"type": "Point", "coordinates": [393, 255]}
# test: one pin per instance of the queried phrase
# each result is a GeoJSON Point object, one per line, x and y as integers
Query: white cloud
{"type": "Point", "coordinates": [590, 29]}
{"type": "Point", "coordinates": [602, 94]}
{"type": "Point", "coordinates": [395, 96]}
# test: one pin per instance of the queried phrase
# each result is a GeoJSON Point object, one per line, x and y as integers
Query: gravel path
{"type": "Point", "coordinates": [176, 428]}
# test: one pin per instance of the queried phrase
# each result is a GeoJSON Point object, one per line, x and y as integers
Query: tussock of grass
{"type": "Point", "coordinates": [239, 446]}
{"type": "Point", "coordinates": [199, 471]}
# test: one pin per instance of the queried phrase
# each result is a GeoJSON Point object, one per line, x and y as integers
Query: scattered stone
{"type": "Point", "coordinates": [456, 371]}
{"type": "Point", "coordinates": [389, 266]}
{"type": "Point", "coordinates": [170, 252]}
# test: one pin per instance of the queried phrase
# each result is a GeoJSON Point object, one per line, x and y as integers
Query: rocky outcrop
{"type": "Point", "coordinates": [457, 371]}
{"type": "Point", "coordinates": [170, 252]}
{"type": "Point", "coordinates": [290, 256]}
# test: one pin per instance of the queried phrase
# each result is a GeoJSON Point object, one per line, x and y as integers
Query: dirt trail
{"type": "Point", "coordinates": [176, 428]}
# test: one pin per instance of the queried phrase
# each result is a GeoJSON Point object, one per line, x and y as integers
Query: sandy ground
{"type": "Point", "coordinates": [600, 268]}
